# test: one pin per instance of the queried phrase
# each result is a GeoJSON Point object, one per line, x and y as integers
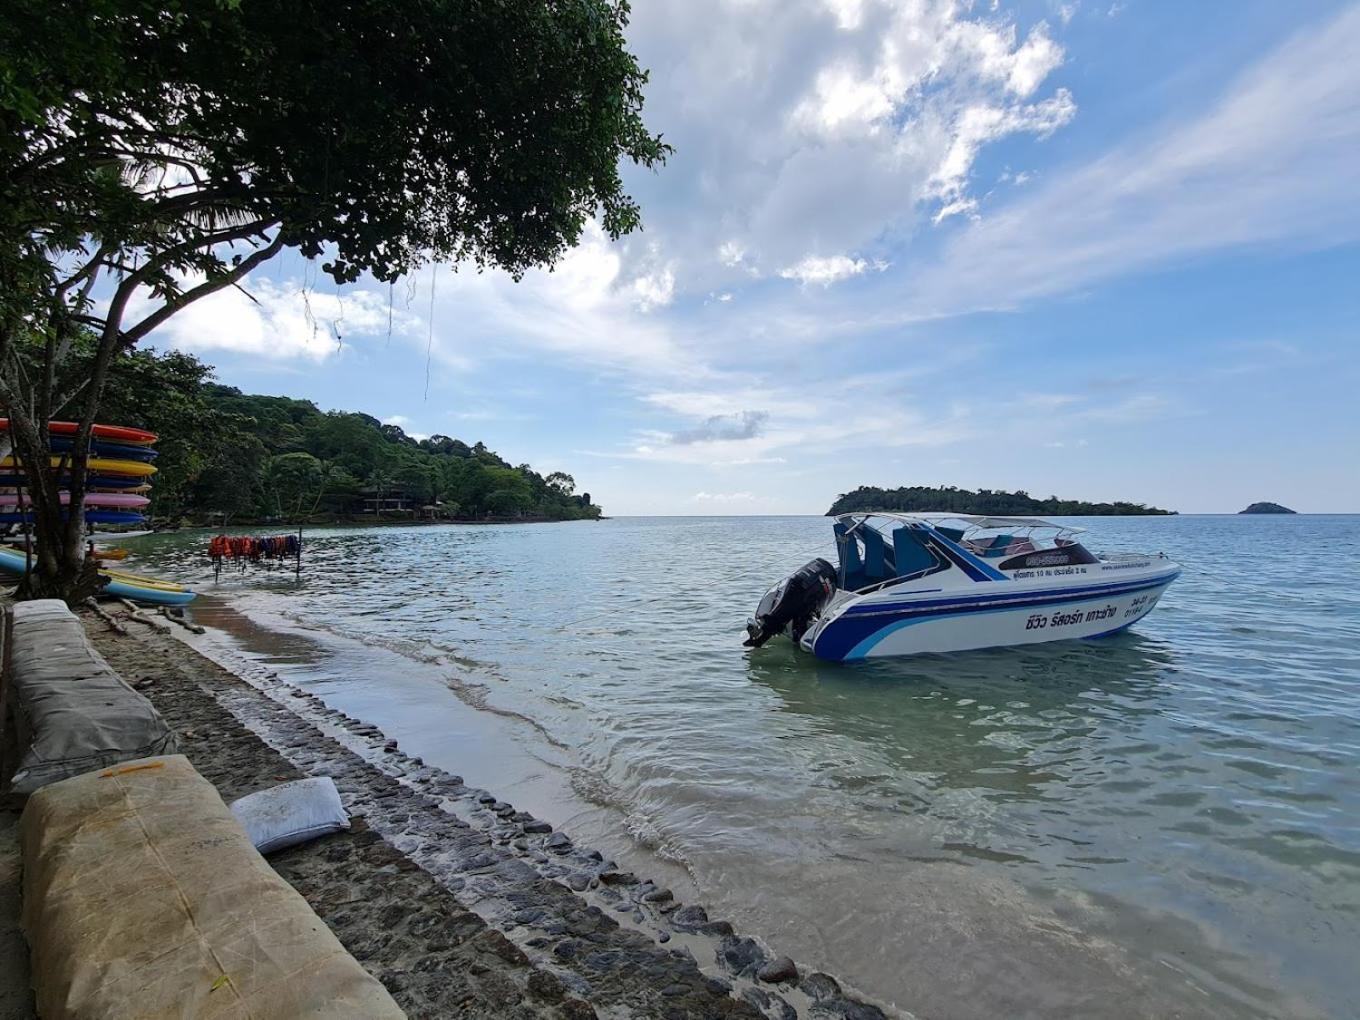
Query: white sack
{"type": "Point", "coordinates": [291, 813]}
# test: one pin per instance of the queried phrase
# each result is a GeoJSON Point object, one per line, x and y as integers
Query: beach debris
{"type": "Point", "coordinates": [135, 612]}
{"type": "Point", "coordinates": [108, 618]}
{"type": "Point", "coordinates": [110, 773]}
{"type": "Point", "coordinates": [177, 616]}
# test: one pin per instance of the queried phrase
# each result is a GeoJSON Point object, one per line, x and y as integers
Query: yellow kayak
{"type": "Point", "coordinates": [140, 581]}
{"type": "Point", "coordinates": [101, 466]}
{"type": "Point", "coordinates": [128, 586]}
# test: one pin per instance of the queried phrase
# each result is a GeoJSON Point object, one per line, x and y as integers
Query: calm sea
{"type": "Point", "coordinates": [1167, 820]}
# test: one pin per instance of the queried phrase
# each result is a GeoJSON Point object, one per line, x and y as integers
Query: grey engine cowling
{"type": "Point", "coordinates": [793, 603]}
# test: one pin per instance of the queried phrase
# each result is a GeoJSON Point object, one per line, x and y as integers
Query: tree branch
{"type": "Point", "coordinates": [132, 336]}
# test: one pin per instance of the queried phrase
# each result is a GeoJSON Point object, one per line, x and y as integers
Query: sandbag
{"type": "Point", "coordinates": [291, 813]}
{"type": "Point", "coordinates": [72, 712]}
{"type": "Point", "coordinates": [143, 897]}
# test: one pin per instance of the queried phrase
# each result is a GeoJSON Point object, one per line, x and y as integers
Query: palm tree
{"type": "Point", "coordinates": [381, 480]}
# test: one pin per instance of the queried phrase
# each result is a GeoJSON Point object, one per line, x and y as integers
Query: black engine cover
{"type": "Point", "coordinates": [793, 603]}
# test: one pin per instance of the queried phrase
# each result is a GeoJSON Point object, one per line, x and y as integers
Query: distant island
{"type": "Point", "coordinates": [1267, 508]}
{"type": "Point", "coordinates": [922, 498]}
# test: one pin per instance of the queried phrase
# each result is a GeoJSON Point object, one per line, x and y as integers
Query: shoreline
{"type": "Point", "coordinates": [526, 915]}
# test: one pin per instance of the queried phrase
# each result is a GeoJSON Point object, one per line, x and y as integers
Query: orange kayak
{"type": "Point", "coordinates": [112, 433]}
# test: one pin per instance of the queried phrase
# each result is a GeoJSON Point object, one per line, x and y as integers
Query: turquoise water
{"type": "Point", "coordinates": [1164, 820]}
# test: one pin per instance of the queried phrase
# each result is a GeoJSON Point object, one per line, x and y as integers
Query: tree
{"type": "Point", "coordinates": [153, 153]}
{"type": "Point", "coordinates": [290, 480]}
{"type": "Point", "coordinates": [561, 483]}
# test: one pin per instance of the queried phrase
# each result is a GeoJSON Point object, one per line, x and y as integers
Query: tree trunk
{"type": "Point", "coordinates": [59, 567]}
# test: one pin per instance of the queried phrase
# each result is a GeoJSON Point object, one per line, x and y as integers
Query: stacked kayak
{"type": "Point", "coordinates": [117, 474]}
{"type": "Point", "coordinates": [120, 583]}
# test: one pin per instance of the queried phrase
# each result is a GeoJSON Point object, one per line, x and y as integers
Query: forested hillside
{"type": "Point", "coordinates": [923, 499]}
{"type": "Point", "coordinates": [253, 457]}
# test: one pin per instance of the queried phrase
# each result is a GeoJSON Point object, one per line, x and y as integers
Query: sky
{"type": "Point", "coordinates": [1103, 250]}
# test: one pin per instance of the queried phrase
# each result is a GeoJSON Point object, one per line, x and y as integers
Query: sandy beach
{"type": "Point", "coordinates": [457, 902]}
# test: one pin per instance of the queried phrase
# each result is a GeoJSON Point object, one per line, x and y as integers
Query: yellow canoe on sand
{"type": "Point", "coordinates": [142, 580]}
{"type": "Point", "coordinates": [101, 466]}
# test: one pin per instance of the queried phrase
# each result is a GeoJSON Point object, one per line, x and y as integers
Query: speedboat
{"type": "Point", "coordinates": [908, 584]}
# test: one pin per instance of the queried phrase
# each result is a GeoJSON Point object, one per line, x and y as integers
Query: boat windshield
{"type": "Point", "coordinates": [1001, 536]}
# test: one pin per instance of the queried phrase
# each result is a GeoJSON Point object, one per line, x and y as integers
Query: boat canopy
{"type": "Point", "coordinates": [877, 549]}
{"type": "Point", "coordinates": [970, 521]}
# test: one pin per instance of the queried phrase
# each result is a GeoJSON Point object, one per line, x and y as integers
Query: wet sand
{"type": "Point", "coordinates": [457, 901]}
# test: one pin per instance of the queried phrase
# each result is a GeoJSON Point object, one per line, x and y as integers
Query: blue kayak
{"type": "Point", "coordinates": [14, 562]}
{"type": "Point", "coordinates": [91, 516]}
{"type": "Point", "coordinates": [98, 448]}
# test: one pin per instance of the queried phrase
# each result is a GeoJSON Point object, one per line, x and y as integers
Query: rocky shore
{"type": "Point", "coordinates": [459, 903]}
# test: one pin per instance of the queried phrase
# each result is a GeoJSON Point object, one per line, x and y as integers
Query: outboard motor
{"type": "Point", "coordinates": [793, 603]}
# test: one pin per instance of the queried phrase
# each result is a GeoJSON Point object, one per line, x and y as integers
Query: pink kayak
{"type": "Point", "coordinates": [119, 500]}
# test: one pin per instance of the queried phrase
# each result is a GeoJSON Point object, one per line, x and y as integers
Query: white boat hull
{"type": "Point", "coordinates": [940, 622]}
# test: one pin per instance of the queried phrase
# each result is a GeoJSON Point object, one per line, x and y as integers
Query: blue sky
{"type": "Point", "coordinates": [1099, 250]}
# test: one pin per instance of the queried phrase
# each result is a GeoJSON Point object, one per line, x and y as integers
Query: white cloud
{"type": "Point", "coordinates": [824, 126]}
{"type": "Point", "coordinates": [399, 420]}
{"type": "Point", "coordinates": [979, 125]}
{"type": "Point", "coordinates": [848, 12]}
{"type": "Point", "coordinates": [280, 321]}
{"type": "Point", "coordinates": [654, 290]}
{"type": "Point", "coordinates": [828, 270]}
{"type": "Point", "coordinates": [730, 253]}
{"type": "Point", "coordinates": [1272, 161]}
{"type": "Point", "coordinates": [723, 497]}
{"type": "Point", "coordinates": [585, 309]}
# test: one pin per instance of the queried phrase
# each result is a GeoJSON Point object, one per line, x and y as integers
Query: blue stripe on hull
{"type": "Point", "coordinates": [853, 635]}
{"type": "Point", "coordinates": [1012, 597]}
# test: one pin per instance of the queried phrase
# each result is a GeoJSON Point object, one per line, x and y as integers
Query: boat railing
{"type": "Point", "coordinates": [914, 575]}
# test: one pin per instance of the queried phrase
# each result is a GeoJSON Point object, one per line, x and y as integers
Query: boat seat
{"type": "Point", "coordinates": [995, 547]}
{"type": "Point", "coordinates": [852, 567]}
{"type": "Point", "coordinates": [875, 557]}
{"type": "Point", "coordinates": [909, 555]}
